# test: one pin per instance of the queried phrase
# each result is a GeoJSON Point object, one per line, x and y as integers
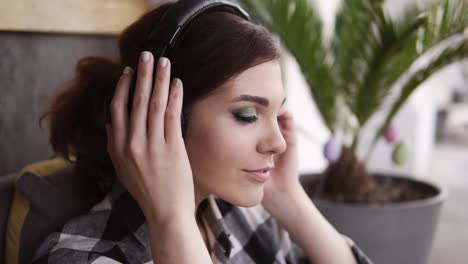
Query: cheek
{"type": "Point", "coordinates": [217, 157]}
{"type": "Point", "coordinates": [219, 148]}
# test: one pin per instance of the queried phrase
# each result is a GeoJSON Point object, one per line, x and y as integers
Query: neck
{"type": "Point", "coordinates": [200, 195]}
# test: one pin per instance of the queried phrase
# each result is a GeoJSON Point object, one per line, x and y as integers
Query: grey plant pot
{"type": "Point", "coordinates": [392, 234]}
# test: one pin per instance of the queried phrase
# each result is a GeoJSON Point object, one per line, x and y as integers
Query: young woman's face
{"type": "Point", "coordinates": [236, 130]}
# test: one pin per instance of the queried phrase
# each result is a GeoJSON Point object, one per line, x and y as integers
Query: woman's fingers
{"type": "Point", "coordinates": [119, 115]}
{"type": "Point", "coordinates": [138, 119]}
{"type": "Point", "coordinates": [286, 120]}
{"type": "Point", "coordinates": [152, 115]}
{"type": "Point", "coordinates": [158, 102]}
{"type": "Point", "coordinates": [287, 127]}
{"type": "Point", "coordinates": [173, 126]}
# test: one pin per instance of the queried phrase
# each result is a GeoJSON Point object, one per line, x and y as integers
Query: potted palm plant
{"type": "Point", "coordinates": [351, 76]}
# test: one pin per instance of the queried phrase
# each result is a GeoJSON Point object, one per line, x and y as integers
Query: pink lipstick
{"type": "Point", "coordinates": [261, 175]}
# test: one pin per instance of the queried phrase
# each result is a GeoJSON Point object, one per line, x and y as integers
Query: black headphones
{"type": "Point", "coordinates": [179, 16]}
{"type": "Point", "coordinates": [169, 29]}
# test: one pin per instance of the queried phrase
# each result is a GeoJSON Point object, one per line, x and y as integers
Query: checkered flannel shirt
{"type": "Point", "coordinates": [114, 231]}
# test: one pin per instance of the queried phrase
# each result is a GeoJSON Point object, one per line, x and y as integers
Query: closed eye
{"type": "Point", "coordinates": [246, 114]}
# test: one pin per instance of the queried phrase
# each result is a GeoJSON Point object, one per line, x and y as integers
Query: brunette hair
{"type": "Point", "coordinates": [215, 48]}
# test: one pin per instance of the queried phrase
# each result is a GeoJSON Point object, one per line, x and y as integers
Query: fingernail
{"type": "Point", "coordinates": [145, 56]}
{"type": "Point", "coordinates": [176, 82]}
{"type": "Point", "coordinates": [127, 70]}
{"type": "Point", "coordinates": [163, 62]}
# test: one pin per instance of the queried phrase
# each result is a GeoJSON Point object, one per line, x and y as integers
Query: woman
{"type": "Point", "coordinates": [221, 187]}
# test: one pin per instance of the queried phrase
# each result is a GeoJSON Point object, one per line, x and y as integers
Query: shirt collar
{"type": "Point", "coordinates": [218, 234]}
{"type": "Point", "coordinates": [131, 214]}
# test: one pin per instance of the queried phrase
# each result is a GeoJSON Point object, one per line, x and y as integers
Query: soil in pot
{"type": "Point", "coordinates": [387, 190]}
{"type": "Point", "coordinates": [348, 181]}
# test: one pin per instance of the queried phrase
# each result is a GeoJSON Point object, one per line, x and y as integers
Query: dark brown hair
{"type": "Point", "coordinates": [215, 48]}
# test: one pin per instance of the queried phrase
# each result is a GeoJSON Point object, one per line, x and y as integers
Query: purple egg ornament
{"type": "Point", "coordinates": [391, 134]}
{"type": "Point", "coordinates": [332, 150]}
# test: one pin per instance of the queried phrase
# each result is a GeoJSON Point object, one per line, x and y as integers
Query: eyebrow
{"type": "Point", "coordinates": [255, 99]}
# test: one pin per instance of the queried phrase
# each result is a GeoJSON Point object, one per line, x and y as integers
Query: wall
{"type": "Point", "coordinates": [33, 67]}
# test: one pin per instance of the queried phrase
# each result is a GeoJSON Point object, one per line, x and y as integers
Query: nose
{"type": "Point", "coordinates": [272, 141]}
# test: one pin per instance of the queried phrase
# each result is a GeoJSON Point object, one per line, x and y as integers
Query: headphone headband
{"type": "Point", "coordinates": [168, 30]}
{"type": "Point", "coordinates": [179, 16]}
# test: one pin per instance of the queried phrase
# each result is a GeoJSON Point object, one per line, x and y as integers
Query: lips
{"type": "Point", "coordinates": [260, 175]}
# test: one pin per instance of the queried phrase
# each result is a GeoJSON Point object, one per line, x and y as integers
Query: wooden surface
{"type": "Point", "coordinates": [70, 16]}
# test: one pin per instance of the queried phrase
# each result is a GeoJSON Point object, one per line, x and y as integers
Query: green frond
{"type": "Point", "coordinates": [443, 21]}
{"type": "Point", "coordinates": [452, 53]}
{"type": "Point", "coordinates": [300, 28]}
{"type": "Point", "coordinates": [388, 59]}
{"type": "Point", "coordinates": [353, 43]}
{"type": "Point", "coordinates": [445, 18]}
{"type": "Point", "coordinates": [368, 54]}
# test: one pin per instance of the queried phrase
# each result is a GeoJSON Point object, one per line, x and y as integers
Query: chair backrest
{"type": "Point", "coordinates": [7, 187]}
{"type": "Point", "coordinates": [47, 194]}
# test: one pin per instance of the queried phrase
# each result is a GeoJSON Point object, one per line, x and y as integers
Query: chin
{"type": "Point", "coordinates": [251, 203]}
{"type": "Point", "coordinates": [245, 199]}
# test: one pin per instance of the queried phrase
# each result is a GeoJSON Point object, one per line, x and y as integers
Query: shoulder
{"type": "Point", "coordinates": [88, 238]}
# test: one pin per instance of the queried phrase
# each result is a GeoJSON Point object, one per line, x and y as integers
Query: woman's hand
{"type": "Point", "coordinates": [147, 148]}
{"type": "Point", "coordinates": [284, 181]}
{"type": "Point", "coordinates": [286, 200]}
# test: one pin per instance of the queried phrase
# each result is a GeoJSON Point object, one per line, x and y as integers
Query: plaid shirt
{"type": "Point", "coordinates": [114, 231]}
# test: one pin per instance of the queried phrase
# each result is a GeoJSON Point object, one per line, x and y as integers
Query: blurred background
{"type": "Point", "coordinates": [41, 41]}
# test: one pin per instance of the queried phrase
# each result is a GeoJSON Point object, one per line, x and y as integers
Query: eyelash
{"type": "Point", "coordinates": [249, 119]}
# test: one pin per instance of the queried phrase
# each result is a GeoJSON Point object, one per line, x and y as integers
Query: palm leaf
{"type": "Point", "coordinates": [367, 49]}
{"type": "Point", "coordinates": [446, 19]}
{"type": "Point", "coordinates": [452, 18]}
{"type": "Point", "coordinates": [369, 52]}
{"type": "Point", "coordinates": [354, 27]}
{"type": "Point", "coordinates": [447, 56]}
{"type": "Point", "coordinates": [300, 28]}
